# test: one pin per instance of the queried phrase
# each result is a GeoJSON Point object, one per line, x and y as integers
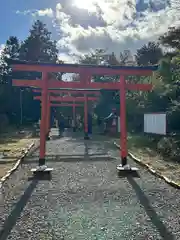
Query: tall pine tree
{"type": "Point", "coordinates": [9, 96]}
{"type": "Point", "coordinates": [10, 51]}
{"type": "Point", "coordinates": [38, 46]}
{"type": "Point", "coordinates": [149, 54]}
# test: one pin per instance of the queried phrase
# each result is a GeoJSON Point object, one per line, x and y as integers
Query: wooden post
{"type": "Point", "coordinates": [48, 115]}
{"type": "Point", "coordinates": [74, 117]}
{"type": "Point", "coordinates": [86, 117]}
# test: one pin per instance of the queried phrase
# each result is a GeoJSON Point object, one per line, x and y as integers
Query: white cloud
{"type": "Point", "coordinates": [1, 48]}
{"type": "Point", "coordinates": [42, 12]}
{"type": "Point", "coordinates": [114, 25]}
{"type": "Point", "coordinates": [123, 29]}
{"type": "Point", "coordinates": [46, 12]}
{"type": "Point", "coordinates": [67, 58]}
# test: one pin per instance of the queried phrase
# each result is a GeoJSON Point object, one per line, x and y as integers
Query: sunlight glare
{"type": "Point", "coordinates": [85, 4]}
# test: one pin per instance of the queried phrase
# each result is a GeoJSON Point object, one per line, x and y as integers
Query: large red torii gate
{"type": "Point", "coordinates": [86, 72]}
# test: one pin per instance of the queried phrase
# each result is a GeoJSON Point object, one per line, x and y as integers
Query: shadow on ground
{"type": "Point", "coordinates": [155, 219]}
{"type": "Point", "coordinates": [72, 158]}
{"type": "Point", "coordinates": [11, 220]}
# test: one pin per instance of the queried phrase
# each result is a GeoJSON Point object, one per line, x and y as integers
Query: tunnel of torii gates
{"type": "Point", "coordinates": [85, 72]}
{"type": "Point", "coordinates": [64, 100]}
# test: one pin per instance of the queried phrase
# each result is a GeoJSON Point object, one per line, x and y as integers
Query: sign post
{"type": "Point", "coordinates": [155, 123]}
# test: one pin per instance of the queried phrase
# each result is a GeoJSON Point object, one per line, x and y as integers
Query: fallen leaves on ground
{"type": "Point", "coordinates": [144, 150]}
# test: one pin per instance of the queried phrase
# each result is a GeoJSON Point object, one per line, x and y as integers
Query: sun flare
{"type": "Point", "coordinates": [85, 4]}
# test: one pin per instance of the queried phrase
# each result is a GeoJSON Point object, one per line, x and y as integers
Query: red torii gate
{"type": "Point", "coordinates": [84, 99]}
{"type": "Point", "coordinates": [86, 72]}
{"type": "Point", "coordinates": [65, 105]}
{"type": "Point", "coordinates": [71, 91]}
{"type": "Point", "coordinates": [74, 105]}
{"type": "Point", "coordinates": [67, 98]}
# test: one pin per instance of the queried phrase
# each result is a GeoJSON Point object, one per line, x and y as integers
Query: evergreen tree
{"type": "Point", "coordinates": [171, 38]}
{"type": "Point", "coordinates": [149, 54]}
{"type": "Point", "coordinates": [38, 46]}
{"type": "Point", "coordinates": [9, 95]}
{"type": "Point", "coordinates": [10, 51]}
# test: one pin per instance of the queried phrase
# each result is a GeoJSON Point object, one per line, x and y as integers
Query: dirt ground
{"type": "Point", "coordinates": [12, 145]}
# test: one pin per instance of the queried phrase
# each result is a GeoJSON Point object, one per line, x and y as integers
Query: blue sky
{"type": "Point", "coordinates": [18, 24]}
{"type": "Point", "coordinates": [80, 26]}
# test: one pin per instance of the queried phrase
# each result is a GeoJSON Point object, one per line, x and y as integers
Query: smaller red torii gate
{"type": "Point", "coordinates": [74, 105]}
{"type": "Point", "coordinates": [65, 105]}
{"type": "Point", "coordinates": [67, 98]}
{"type": "Point", "coordinates": [64, 99]}
{"type": "Point", "coordinates": [72, 91]}
{"type": "Point", "coordinates": [86, 72]}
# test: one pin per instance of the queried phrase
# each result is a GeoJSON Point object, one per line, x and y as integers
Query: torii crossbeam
{"type": "Point", "coordinates": [86, 72]}
{"type": "Point", "coordinates": [70, 91]}
{"type": "Point", "coordinates": [67, 99]}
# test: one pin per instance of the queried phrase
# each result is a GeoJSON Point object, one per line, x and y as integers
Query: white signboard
{"type": "Point", "coordinates": [155, 123]}
{"type": "Point", "coordinates": [119, 124]}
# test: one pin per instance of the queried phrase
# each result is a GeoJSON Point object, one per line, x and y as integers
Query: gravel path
{"type": "Point", "coordinates": [85, 199]}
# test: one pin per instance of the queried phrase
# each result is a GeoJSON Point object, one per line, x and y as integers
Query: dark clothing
{"type": "Point", "coordinates": [61, 124]}
{"type": "Point", "coordinates": [100, 124]}
{"type": "Point", "coordinates": [61, 121]}
{"type": "Point", "coordinates": [99, 121]}
{"type": "Point", "coordinates": [89, 123]}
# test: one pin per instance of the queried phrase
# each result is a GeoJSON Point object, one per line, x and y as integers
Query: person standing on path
{"type": "Point", "coordinates": [61, 124]}
{"type": "Point", "coordinates": [89, 123]}
{"type": "Point", "coordinates": [100, 124]}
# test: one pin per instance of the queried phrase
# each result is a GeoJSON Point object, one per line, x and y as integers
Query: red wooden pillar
{"type": "Point", "coordinates": [85, 117]}
{"type": "Point", "coordinates": [74, 117]}
{"type": "Point", "coordinates": [48, 117]}
{"type": "Point", "coordinates": [43, 125]}
{"type": "Point", "coordinates": [123, 139]}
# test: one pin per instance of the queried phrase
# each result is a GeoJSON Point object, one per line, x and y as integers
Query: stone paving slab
{"type": "Point", "coordinates": [86, 199]}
